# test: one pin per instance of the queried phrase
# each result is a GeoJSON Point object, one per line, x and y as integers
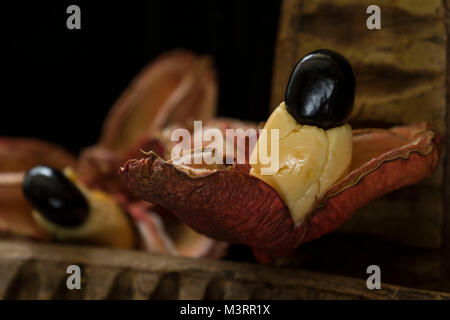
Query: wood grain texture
{"type": "Point", "coordinates": [402, 77]}
{"type": "Point", "coordinates": [38, 271]}
{"type": "Point", "coordinates": [401, 73]}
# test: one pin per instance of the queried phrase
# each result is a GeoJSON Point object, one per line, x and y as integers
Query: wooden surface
{"type": "Point", "coordinates": [402, 77]}
{"type": "Point", "coordinates": [36, 271]}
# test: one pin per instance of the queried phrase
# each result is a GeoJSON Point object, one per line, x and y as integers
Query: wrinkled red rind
{"type": "Point", "coordinates": [17, 155]}
{"type": "Point", "coordinates": [233, 206]}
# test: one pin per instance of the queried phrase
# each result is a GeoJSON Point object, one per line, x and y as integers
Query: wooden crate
{"type": "Point", "coordinates": [38, 271]}
{"type": "Point", "coordinates": [402, 77]}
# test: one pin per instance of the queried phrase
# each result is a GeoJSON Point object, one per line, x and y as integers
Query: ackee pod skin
{"type": "Point", "coordinates": [321, 90]}
{"type": "Point", "coordinates": [69, 212]}
{"type": "Point", "coordinates": [229, 204]}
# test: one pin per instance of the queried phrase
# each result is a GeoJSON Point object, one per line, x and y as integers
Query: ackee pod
{"type": "Point", "coordinates": [321, 90]}
{"type": "Point", "coordinates": [55, 197]}
{"type": "Point", "coordinates": [228, 204]}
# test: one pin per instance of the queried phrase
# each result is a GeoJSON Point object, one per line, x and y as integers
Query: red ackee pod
{"type": "Point", "coordinates": [226, 203]}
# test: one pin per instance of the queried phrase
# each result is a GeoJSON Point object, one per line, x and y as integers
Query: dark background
{"type": "Point", "coordinates": [60, 83]}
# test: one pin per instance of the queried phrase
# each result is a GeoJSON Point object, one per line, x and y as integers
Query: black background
{"type": "Point", "coordinates": [58, 84]}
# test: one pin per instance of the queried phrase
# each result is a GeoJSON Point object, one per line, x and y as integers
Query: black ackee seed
{"type": "Point", "coordinates": [321, 90]}
{"type": "Point", "coordinates": [54, 196]}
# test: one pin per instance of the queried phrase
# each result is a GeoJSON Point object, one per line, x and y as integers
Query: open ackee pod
{"type": "Point", "coordinates": [226, 203]}
{"type": "Point", "coordinates": [172, 90]}
{"type": "Point", "coordinates": [17, 155]}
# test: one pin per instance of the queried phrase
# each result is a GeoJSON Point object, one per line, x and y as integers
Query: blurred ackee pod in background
{"type": "Point", "coordinates": [176, 88]}
{"type": "Point", "coordinates": [171, 92]}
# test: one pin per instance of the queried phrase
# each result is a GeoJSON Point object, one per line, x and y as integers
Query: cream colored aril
{"type": "Point", "coordinates": [106, 224]}
{"type": "Point", "coordinates": [310, 159]}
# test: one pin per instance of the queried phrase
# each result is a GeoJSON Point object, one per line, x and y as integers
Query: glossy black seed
{"type": "Point", "coordinates": [321, 90]}
{"type": "Point", "coordinates": [54, 196]}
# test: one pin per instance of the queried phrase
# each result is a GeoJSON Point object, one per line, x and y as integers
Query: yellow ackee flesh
{"type": "Point", "coordinates": [311, 160]}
